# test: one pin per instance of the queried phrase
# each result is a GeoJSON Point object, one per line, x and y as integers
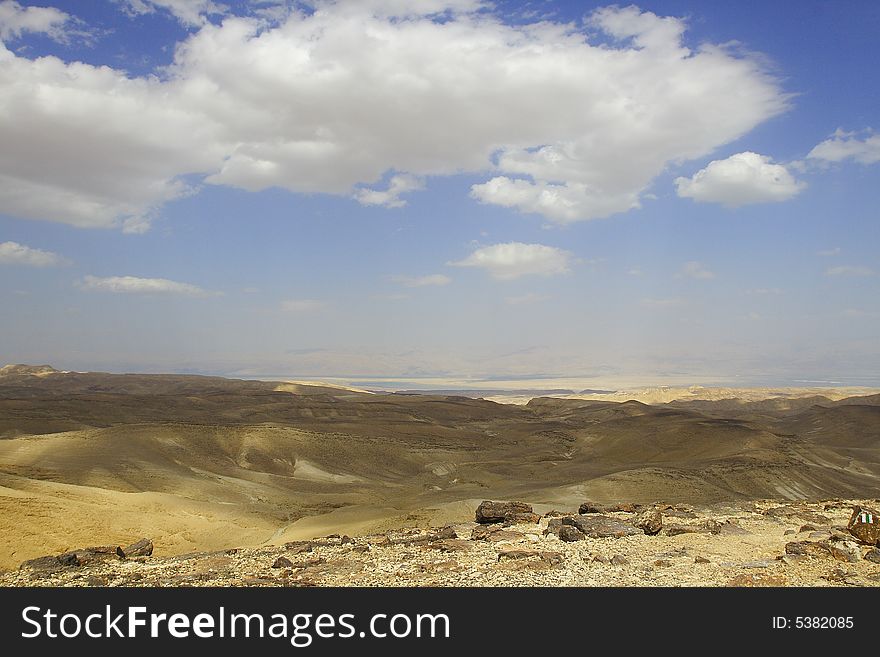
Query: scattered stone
{"type": "Point", "coordinates": [503, 535]}
{"type": "Point", "coordinates": [873, 556]}
{"type": "Point", "coordinates": [489, 511]}
{"type": "Point", "coordinates": [142, 548]}
{"type": "Point", "coordinates": [791, 559]}
{"type": "Point", "coordinates": [699, 559]}
{"type": "Point", "coordinates": [663, 563]}
{"type": "Point", "coordinates": [592, 507]}
{"type": "Point", "coordinates": [91, 554]}
{"type": "Point", "coordinates": [451, 545]}
{"type": "Point", "coordinates": [807, 528]}
{"type": "Point", "coordinates": [626, 508]}
{"type": "Point", "coordinates": [570, 534]}
{"type": "Point", "coordinates": [601, 559]}
{"type": "Point", "coordinates": [519, 553]}
{"type": "Point", "coordinates": [650, 522]}
{"type": "Point", "coordinates": [282, 562]}
{"type": "Point", "coordinates": [553, 526]}
{"type": "Point", "coordinates": [819, 536]}
{"type": "Point", "coordinates": [619, 560]}
{"type": "Point", "coordinates": [760, 563]}
{"type": "Point", "coordinates": [788, 531]}
{"type": "Point", "coordinates": [864, 524]}
{"type": "Point", "coordinates": [94, 580]}
{"type": "Point", "coordinates": [554, 514]}
{"type": "Point", "coordinates": [482, 532]}
{"type": "Point", "coordinates": [676, 530]}
{"type": "Point", "coordinates": [757, 580]}
{"type": "Point", "coordinates": [599, 526]}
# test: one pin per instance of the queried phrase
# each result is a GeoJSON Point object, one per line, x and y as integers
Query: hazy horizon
{"type": "Point", "coordinates": [451, 191]}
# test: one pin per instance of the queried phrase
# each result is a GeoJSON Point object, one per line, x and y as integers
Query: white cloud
{"type": "Point", "coordinates": [390, 198]}
{"type": "Point", "coordinates": [135, 285]}
{"type": "Point", "coordinates": [741, 179]}
{"type": "Point", "coordinates": [16, 20]}
{"type": "Point", "coordinates": [635, 271]}
{"type": "Point", "coordinates": [849, 270]}
{"type": "Point", "coordinates": [765, 291]}
{"type": "Point", "coordinates": [302, 305]}
{"type": "Point", "coordinates": [13, 253]}
{"type": "Point", "coordinates": [514, 259]}
{"type": "Point", "coordinates": [697, 270]}
{"type": "Point", "coordinates": [329, 100]}
{"type": "Point", "coordinates": [845, 146]}
{"type": "Point", "coordinates": [827, 253]}
{"type": "Point", "coordinates": [526, 299]}
{"type": "Point", "coordinates": [422, 281]}
{"type": "Point", "coordinates": [191, 13]}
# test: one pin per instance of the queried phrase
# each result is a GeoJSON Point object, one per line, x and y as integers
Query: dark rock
{"type": "Point", "coordinates": [446, 532]}
{"type": "Point", "coordinates": [619, 560]}
{"type": "Point", "coordinates": [142, 548]}
{"type": "Point", "coordinates": [807, 548]}
{"type": "Point", "coordinates": [91, 554]}
{"type": "Point", "coordinates": [43, 563]}
{"type": "Point", "coordinates": [554, 514]}
{"type": "Point", "coordinates": [553, 526]}
{"type": "Point", "coordinates": [864, 524]}
{"type": "Point", "coordinates": [650, 522]}
{"type": "Point", "coordinates": [846, 551]}
{"type": "Point", "coordinates": [503, 535]}
{"type": "Point", "coordinates": [570, 534]}
{"type": "Point", "coordinates": [807, 528]}
{"type": "Point", "coordinates": [94, 580]}
{"type": "Point", "coordinates": [282, 562]}
{"type": "Point", "coordinates": [451, 545]}
{"type": "Point", "coordinates": [788, 532]}
{"type": "Point", "coordinates": [490, 511]}
{"type": "Point", "coordinates": [482, 532]}
{"type": "Point", "coordinates": [592, 507]}
{"type": "Point", "coordinates": [518, 518]}
{"type": "Point", "coordinates": [675, 530]}
{"type": "Point", "coordinates": [599, 526]}
{"type": "Point", "coordinates": [873, 556]}
{"type": "Point", "coordinates": [601, 559]}
{"type": "Point", "coordinates": [298, 547]}
{"type": "Point", "coordinates": [663, 563]}
{"type": "Point", "coordinates": [757, 579]}
{"type": "Point", "coordinates": [699, 559]}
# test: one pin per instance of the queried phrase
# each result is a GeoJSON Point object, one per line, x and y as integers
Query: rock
{"type": "Point", "coordinates": [807, 528]}
{"type": "Point", "coordinates": [451, 545]}
{"type": "Point", "coordinates": [663, 563]}
{"type": "Point", "coordinates": [626, 508]}
{"type": "Point", "coordinates": [807, 548]}
{"type": "Point", "coordinates": [731, 528]}
{"type": "Point", "coordinates": [619, 560]}
{"type": "Point", "coordinates": [282, 562]}
{"type": "Point", "coordinates": [298, 547]}
{"type": "Point", "coordinates": [676, 530]}
{"type": "Point", "coordinates": [142, 548]}
{"type": "Point", "coordinates": [788, 531]}
{"type": "Point", "coordinates": [553, 527]}
{"type": "Point", "coordinates": [489, 511]}
{"type": "Point", "coordinates": [846, 551]}
{"type": "Point", "coordinates": [91, 554]}
{"type": "Point", "coordinates": [791, 559]}
{"type": "Point", "coordinates": [591, 507]}
{"type": "Point", "coordinates": [864, 524]}
{"type": "Point", "coordinates": [757, 579]}
{"type": "Point", "coordinates": [699, 559]}
{"type": "Point", "coordinates": [650, 522]}
{"type": "Point", "coordinates": [819, 536]}
{"type": "Point", "coordinates": [482, 532]}
{"type": "Point", "coordinates": [554, 514]}
{"type": "Point", "coordinates": [599, 526]}
{"type": "Point", "coordinates": [94, 580]}
{"type": "Point", "coordinates": [601, 559]}
{"type": "Point", "coordinates": [570, 534]}
{"type": "Point", "coordinates": [873, 556]}
{"type": "Point", "coordinates": [519, 518]}
{"type": "Point", "coordinates": [43, 563]}
{"type": "Point", "coordinates": [503, 535]}
{"type": "Point", "coordinates": [446, 532]}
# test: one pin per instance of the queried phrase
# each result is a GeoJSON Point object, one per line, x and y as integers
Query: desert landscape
{"type": "Point", "coordinates": [208, 466]}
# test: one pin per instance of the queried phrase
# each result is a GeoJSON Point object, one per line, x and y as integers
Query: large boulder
{"type": "Point", "coordinates": [599, 526]}
{"type": "Point", "coordinates": [143, 548]}
{"type": "Point", "coordinates": [490, 511]}
{"type": "Point", "coordinates": [570, 534]}
{"type": "Point", "coordinates": [650, 521]}
{"type": "Point", "coordinates": [864, 524]}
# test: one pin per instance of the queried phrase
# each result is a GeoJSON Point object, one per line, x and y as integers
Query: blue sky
{"type": "Point", "coordinates": [443, 190]}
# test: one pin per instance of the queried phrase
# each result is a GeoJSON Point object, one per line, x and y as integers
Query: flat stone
{"type": "Point", "coordinates": [757, 580]}
{"type": "Point", "coordinates": [599, 526]}
{"type": "Point", "coordinates": [489, 511]}
{"type": "Point", "coordinates": [451, 545]}
{"type": "Point", "coordinates": [141, 548]}
{"type": "Point", "coordinates": [570, 534]}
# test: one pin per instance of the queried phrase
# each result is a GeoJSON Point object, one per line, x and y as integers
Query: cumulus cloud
{"type": "Point", "coordinates": [847, 146]}
{"type": "Point", "coordinates": [16, 20]}
{"type": "Point", "coordinates": [697, 270]}
{"type": "Point", "coordinates": [390, 198]}
{"type": "Point", "coordinates": [302, 305]}
{"type": "Point", "coordinates": [190, 13]}
{"type": "Point", "coordinates": [741, 179]}
{"type": "Point", "coordinates": [422, 281]}
{"type": "Point", "coordinates": [13, 253]}
{"type": "Point", "coordinates": [849, 270]}
{"type": "Point", "coordinates": [514, 259]}
{"type": "Point", "coordinates": [135, 285]}
{"type": "Point", "coordinates": [331, 100]}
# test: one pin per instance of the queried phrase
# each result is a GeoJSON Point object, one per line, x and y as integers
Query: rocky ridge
{"type": "Point", "coordinates": [765, 543]}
